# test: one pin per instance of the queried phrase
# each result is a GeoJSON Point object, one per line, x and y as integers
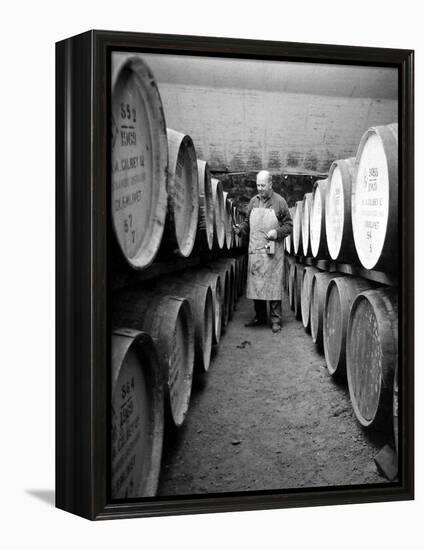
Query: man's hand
{"type": "Point", "coordinates": [272, 235]}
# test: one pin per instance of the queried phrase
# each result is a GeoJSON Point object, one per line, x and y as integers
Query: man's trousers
{"type": "Point", "coordinates": [274, 311]}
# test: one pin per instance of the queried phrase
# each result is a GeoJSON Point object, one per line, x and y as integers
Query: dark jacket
{"type": "Point", "coordinates": [279, 205]}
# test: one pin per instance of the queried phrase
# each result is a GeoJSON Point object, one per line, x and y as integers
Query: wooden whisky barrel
{"type": "Point", "coordinates": [183, 196]}
{"type": "Point", "coordinates": [320, 282]}
{"type": "Point", "coordinates": [372, 356]}
{"type": "Point", "coordinates": [338, 213]}
{"type": "Point", "coordinates": [235, 282]}
{"type": "Point", "coordinates": [224, 274]}
{"type": "Point", "coordinates": [238, 277]}
{"type": "Point", "coordinates": [341, 293]}
{"type": "Point", "coordinates": [297, 290]}
{"type": "Point", "coordinates": [237, 272]}
{"type": "Point", "coordinates": [305, 301]}
{"type": "Point", "coordinates": [228, 209]}
{"type": "Point", "coordinates": [199, 296]}
{"type": "Point", "coordinates": [287, 244]}
{"type": "Point", "coordinates": [285, 274]}
{"type": "Point", "coordinates": [245, 238]}
{"type": "Point", "coordinates": [289, 239]}
{"type": "Point", "coordinates": [204, 238]}
{"type": "Point", "coordinates": [219, 214]}
{"type": "Point", "coordinates": [243, 273]}
{"type": "Point", "coordinates": [240, 221]}
{"type": "Point", "coordinates": [287, 263]}
{"type": "Point", "coordinates": [375, 199]}
{"type": "Point", "coordinates": [297, 228]}
{"type": "Point", "coordinates": [291, 284]}
{"type": "Point", "coordinates": [139, 156]}
{"type": "Point", "coordinates": [306, 212]}
{"type": "Point", "coordinates": [137, 418]}
{"type": "Point", "coordinates": [237, 219]}
{"type": "Point", "coordinates": [318, 240]}
{"type": "Point", "coordinates": [213, 280]}
{"type": "Point", "coordinates": [245, 267]}
{"type": "Point", "coordinates": [228, 264]}
{"type": "Point", "coordinates": [169, 321]}
{"type": "Point", "coordinates": [232, 262]}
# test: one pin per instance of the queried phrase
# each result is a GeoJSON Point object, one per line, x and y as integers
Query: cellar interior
{"type": "Point", "coordinates": [200, 402]}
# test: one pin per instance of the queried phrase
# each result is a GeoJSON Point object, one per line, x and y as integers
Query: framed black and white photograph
{"type": "Point", "coordinates": [234, 274]}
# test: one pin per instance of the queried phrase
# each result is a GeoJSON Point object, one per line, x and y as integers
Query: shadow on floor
{"type": "Point", "coordinates": [45, 495]}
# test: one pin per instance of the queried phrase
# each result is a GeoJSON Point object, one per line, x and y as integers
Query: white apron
{"type": "Point", "coordinates": [265, 271]}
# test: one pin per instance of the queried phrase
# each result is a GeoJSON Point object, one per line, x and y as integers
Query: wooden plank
{"type": "Point", "coordinates": [157, 269]}
{"type": "Point", "coordinates": [325, 265]}
{"type": "Point", "coordinates": [127, 277]}
{"type": "Point", "coordinates": [371, 274]}
{"type": "Point", "coordinates": [350, 269]}
{"type": "Point", "coordinates": [306, 260]}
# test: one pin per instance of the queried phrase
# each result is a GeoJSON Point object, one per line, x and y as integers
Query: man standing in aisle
{"type": "Point", "coordinates": [268, 222]}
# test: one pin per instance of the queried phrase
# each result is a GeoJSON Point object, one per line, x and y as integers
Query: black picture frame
{"type": "Point", "coordinates": [82, 362]}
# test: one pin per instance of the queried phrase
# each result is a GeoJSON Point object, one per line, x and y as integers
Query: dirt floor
{"type": "Point", "coordinates": [268, 416]}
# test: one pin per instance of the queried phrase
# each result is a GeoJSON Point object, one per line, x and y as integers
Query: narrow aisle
{"type": "Point", "coordinates": [269, 416]}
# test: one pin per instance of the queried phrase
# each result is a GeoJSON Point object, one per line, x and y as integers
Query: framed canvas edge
{"type": "Point", "coordinates": [81, 272]}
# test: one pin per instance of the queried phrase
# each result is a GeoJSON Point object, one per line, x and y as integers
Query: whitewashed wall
{"type": "Point", "coordinates": [253, 129]}
{"type": "Point", "coordinates": [284, 116]}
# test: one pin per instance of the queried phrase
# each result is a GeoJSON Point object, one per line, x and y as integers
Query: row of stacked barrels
{"type": "Point", "coordinates": [165, 205]}
{"type": "Point", "coordinates": [352, 217]}
{"type": "Point", "coordinates": [164, 201]}
{"type": "Point", "coordinates": [170, 329]}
